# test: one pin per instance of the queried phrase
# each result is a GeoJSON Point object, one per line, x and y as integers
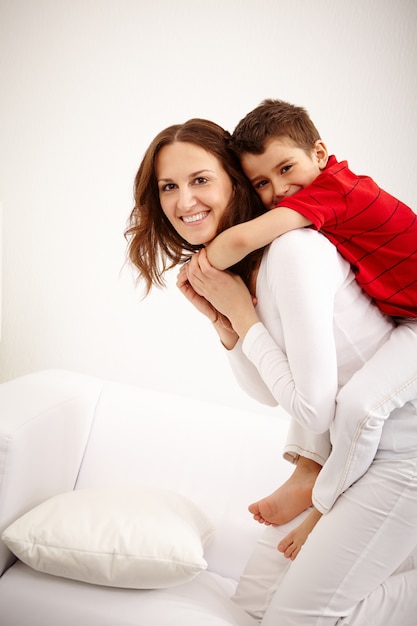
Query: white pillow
{"type": "Point", "coordinates": [139, 538]}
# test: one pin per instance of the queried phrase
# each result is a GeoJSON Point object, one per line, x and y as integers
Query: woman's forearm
{"type": "Point", "coordinates": [226, 333]}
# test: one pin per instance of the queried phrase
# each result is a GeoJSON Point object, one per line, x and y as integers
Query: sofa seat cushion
{"type": "Point", "coordinates": [50, 600]}
{"type": "Point", "coordinates": [136, 537]}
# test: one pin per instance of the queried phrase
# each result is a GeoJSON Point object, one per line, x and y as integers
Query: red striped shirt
{"type": "Point", "coordinates": [373, 230]}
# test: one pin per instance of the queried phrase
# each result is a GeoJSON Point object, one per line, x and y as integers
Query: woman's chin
{"type": "Point", "coordinates": [199, 237]}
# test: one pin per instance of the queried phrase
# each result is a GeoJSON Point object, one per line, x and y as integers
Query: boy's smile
{"type": "Point", "coordinates": [283, 169]}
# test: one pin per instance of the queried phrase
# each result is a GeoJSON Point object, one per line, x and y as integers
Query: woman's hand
{"type": "Point", "coordinates": [222, 325]}
{"type": "Point", "coordinates": [200, 303]}
{"type": "Point", "coordinates": [226, 292]}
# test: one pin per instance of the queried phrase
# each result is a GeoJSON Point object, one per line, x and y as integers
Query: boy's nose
{"type": "Point", "coordinates": [279, 191]}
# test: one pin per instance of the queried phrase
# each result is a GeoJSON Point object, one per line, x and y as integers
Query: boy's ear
{"type": "Point", "coordinates": [321, 153]}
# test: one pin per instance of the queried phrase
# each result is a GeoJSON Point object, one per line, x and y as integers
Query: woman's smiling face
{"type": "Point", "coordinates": [194, 190]}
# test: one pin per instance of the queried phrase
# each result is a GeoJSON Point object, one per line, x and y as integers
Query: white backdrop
{"type": "Point", "coordinates": [86, 84]}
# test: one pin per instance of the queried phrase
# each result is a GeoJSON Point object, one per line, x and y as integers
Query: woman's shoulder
{"type": "Point", "coordinates": [295, 242]}
{"type": "Point", "coordinates": [306, 252]}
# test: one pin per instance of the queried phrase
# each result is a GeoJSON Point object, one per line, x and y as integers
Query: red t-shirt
{"type": "Point", "coordinates": [373, 230]}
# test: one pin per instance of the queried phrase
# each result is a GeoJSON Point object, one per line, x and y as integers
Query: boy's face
{"type": "Point", "coordinates": [283, 169]}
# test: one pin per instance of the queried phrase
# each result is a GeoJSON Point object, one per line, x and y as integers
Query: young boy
{"type": "Point", "coordinates": [288, 164]}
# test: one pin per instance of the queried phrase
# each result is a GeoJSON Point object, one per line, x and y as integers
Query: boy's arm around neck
{"type": "Point", "coordinates": [233, 244]}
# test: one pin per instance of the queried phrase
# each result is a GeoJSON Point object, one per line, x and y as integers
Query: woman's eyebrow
{"type": "Point", "coordinates": [199, 172]}
{"type": "Point", "coordinates": [191, 175]}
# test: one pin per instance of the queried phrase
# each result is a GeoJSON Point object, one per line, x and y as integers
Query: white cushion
{"type": "Point", "coordinates": [30, 598]}
{"type": "Point", "coordinates": [139, 538]}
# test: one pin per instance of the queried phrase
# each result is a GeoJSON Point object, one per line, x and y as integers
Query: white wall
{"type": "Point", "coordinates": [86, 84]}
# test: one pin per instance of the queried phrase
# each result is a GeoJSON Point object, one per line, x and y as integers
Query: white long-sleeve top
{"type": "Point", "coordinates": [317, 328]}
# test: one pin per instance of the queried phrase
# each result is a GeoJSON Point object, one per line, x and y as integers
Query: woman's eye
{"type": "Point", "coordinates": [200, 180]}
{"type": "Point", "coordinates": [167, 187]}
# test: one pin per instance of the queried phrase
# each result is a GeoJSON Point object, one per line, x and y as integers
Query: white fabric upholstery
{"type": "Point", "coordinates": [60, 431]}
{"type": "Point", "coordinates": [28, 598]}
{"type": "Point", "coordinates": [45, 421]}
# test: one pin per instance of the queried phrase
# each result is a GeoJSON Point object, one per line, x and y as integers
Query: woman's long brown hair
{"type": "Point", "coordinates": [154, 246]}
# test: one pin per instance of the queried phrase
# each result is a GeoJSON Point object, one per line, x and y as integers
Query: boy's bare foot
{"type": "Point", "coordinates": [291, 545]}
{"type": "Point", "coordinates": [289, 500]}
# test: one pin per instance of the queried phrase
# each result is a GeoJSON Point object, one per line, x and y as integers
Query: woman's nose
{"type": "Point", "coordinates": [186, 199]}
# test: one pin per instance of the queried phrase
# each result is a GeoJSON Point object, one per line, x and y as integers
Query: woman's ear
{"type": "Point", "coordinates": [321, 153]}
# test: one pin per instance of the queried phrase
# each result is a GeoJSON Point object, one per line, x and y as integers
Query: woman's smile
{"type": "Point", "coordinates": [190, 219]}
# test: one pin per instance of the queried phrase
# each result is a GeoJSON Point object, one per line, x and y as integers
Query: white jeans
{"type": "Point", "coordinates": [356, 561]}
{"type": "Point", "coordinates": [385, 382]}
{"type": "Point", "coordinates": [396, 598]}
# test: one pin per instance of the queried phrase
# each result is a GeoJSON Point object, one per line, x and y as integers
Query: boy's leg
{"type": "Point", "coordinates": [386, 382]}
{"type": "Point", "coordinates": [308, 451]}
{"type": "Point", "coordinates": [291, 498]}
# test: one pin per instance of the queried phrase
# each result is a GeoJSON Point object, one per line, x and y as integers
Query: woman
{"type": "Point", "coordinates": [157, 244]}
{"type": "Point", "coordinates": [311, 329]}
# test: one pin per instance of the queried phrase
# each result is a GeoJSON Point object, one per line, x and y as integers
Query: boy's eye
{"type": "Point", "coordinates": [261, 184]}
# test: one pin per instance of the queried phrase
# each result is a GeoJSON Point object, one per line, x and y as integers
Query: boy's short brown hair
{"type": "Point", "coordinates": [274, 118]}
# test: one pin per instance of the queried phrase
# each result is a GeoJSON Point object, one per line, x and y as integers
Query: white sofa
{"type": "Point", "coordinates": [62, 431]}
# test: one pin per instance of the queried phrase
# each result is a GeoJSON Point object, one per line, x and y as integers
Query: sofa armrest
{"type": "Point", "coordinates": [45, 421]}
